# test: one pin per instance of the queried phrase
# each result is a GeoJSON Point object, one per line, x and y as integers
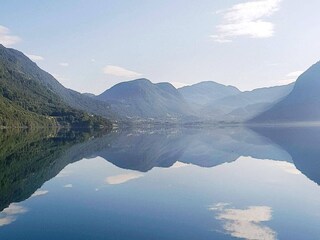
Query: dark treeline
{"type": "Point", "coordinates": [29, 158]}
{"type": "Point", "coordinates": [27, 102]}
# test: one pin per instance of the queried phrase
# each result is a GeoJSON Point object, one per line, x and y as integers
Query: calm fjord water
{"type": "Point", "coordinates": [222, 183]}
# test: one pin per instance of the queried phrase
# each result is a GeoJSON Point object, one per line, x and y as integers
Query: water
{"type": "Point", "coordinates": [221, 183]}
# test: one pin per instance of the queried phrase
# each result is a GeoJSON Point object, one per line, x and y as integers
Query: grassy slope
{"type": "Point", "coordinates": [27, 102]}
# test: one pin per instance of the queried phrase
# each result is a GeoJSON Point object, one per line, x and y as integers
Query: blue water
{"type": "Point", "coordinates": [229, 183]}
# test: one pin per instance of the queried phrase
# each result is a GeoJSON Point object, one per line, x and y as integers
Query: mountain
{"type": "Point", "coordinates": [141, 149]}
{"type": "Point", "coordinates": [30, 97]}
{"type": "Point", "coordinates": [30, 158]}
{"type": "Point", "coordinates": [143, 99]}
{"type": "Point", "coordinates": [301, 143]}
{"type": "Point", "coordinates": [206, 92]}
{"type": "Point", "coordinates": [245, 105]}
{"type": "Point", "coordinates": [301, 105]}
{"type": "Point", "coordinates": [77, 100]}
{"type": "Point", "coordinates": [202, 101]}
{"type": "Point", "coordinates": [89, 95]}
{"type": "Point", "coordinates": [217, 102]}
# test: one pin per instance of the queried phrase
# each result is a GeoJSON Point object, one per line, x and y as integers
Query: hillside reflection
{"type": "Point", "coordinates": [29, 159]}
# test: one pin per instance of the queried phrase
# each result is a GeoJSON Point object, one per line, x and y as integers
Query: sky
{"type": "Point", "coordinates": [91, 45]}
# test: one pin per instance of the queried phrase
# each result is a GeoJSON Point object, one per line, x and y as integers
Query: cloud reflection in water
{"type": "Point", "coordinates": [9, 215]}
{"type": "Point", "coordinates": [245, 223]}
{"type": "Point", "coordinates": [123, 178]}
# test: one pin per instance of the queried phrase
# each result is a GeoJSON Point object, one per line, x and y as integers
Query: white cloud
{"type": "Point", "coordinates": [179, 165]}
{"type": "Point", "coordinates": [35, 58]}
{"type": "Point", "coordinates": [219, 206]}
{"type": "Point", "coordinates": [6, 38]}
{"type": "Point", "coordinates": [9, 215]}
{"type": "Point", "coordinates": [123, 178]}
{"type": "Point", "coordinates": [295, 74]}
{"type": "Point", "coordinates": [120, 72]}
{"type": "Point", "coordinates": [245, 223]}
{"type": "Point", "coordinates": [291, 77]}
{"type": "Point", "coordinates": [39, 192]}
{"type": "Point", "coordinates": [64, 64]}
{"type": "Point", "coordinates": [286, 81]}
{"type": "Point", "coordinates": [179, 84]}
{"type": "Point", "coordinates": [68, 186]}
{"type": "Point", "coordinates": [247, 19]}
{"type": "Point", "coordinates": [14, 209]}
{"type": "Point", "coordinates": [64, 173]}
{"type": "Point", "coordinates": [287, 167]}
{"type": "Point", "coordinates": [7, 220]}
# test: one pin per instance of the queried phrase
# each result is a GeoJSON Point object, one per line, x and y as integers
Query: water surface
{"type": "Point", "coordinates": [221, 183]}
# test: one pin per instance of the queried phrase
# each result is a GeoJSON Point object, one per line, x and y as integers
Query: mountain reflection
{"type": "Point", "coordinates": [143, 150]}
{"type": "Point", "coordinates": [302, 143]}
{"type": "Point", "coordinates": [29, 159]}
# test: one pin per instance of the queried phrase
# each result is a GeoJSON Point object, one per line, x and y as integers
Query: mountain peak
{"type": "Point", "coordinates": [142, 98]}
{"type": "Point", "coordinates": [212, 84]}
{"type": "Point", "coordinates": [309, 78]}
{"type": "Point", "coordinates": [206, 92]}
{"type": "Point", "coordinates": [140, 80]}
{"type": "Point", "coordinates": [301, 105]}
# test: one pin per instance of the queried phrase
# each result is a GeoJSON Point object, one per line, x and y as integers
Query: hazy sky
{"type": "Point", "coordinates": [89, 45]}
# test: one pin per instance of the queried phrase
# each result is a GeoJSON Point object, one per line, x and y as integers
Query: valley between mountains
{"type": "Point", "coordinates": [31, 97]}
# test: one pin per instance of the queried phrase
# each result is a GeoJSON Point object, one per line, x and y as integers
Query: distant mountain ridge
{"type": "Point", "coordinates": [207, 92]}
{"type": "Point", "coordinates": [229, 103]}
{"type": "Point", "coordinates": [245, 105]}
{"type": "Point", "coordinates": [204, 101]}
{"type": "Point", "coordinates": [301, 105]}
{"type": "Point", "coordinates": [142, 98]}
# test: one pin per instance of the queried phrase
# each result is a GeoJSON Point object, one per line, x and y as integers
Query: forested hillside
{"type": "Point", "coordinates": [26, 101]}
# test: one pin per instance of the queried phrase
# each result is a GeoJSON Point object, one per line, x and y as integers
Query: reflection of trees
{"type": "Point", "coordinates": [30, 158]}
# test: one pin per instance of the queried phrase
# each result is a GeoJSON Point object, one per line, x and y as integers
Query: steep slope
{"type": "Point", "coordinates": [301, 143]}
{"type": "Point", "coordinates": [17, 62]}
{"type": "Point", "coordinates": [27, 100]}
{"type": "Point", "coordinates": [260, 95]}
{"type": "Point", "coordinates": [245, 105]}
{"type": "Point", "coordinates": [301, 105]}
{"type": "Point", "coordinates": [14, 115]}
{"type": "Point", "coordinates": [206, 92]}
{"type": "Point", "coordinates": [30, 158]}
{"type": "Point", "coordinates": [142, 99]}
{"type": "Point", "coordinates": [217, 102]}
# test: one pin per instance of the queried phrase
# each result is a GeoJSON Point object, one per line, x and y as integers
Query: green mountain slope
{"type": "Point", "coordinates": [143, 99]}
{"type": "Point", "coordinates": [74, 99]}
{"type": "Point", "coordinates": [30, 158]}
{"type": "Point", "coordinates": [29, 100]}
